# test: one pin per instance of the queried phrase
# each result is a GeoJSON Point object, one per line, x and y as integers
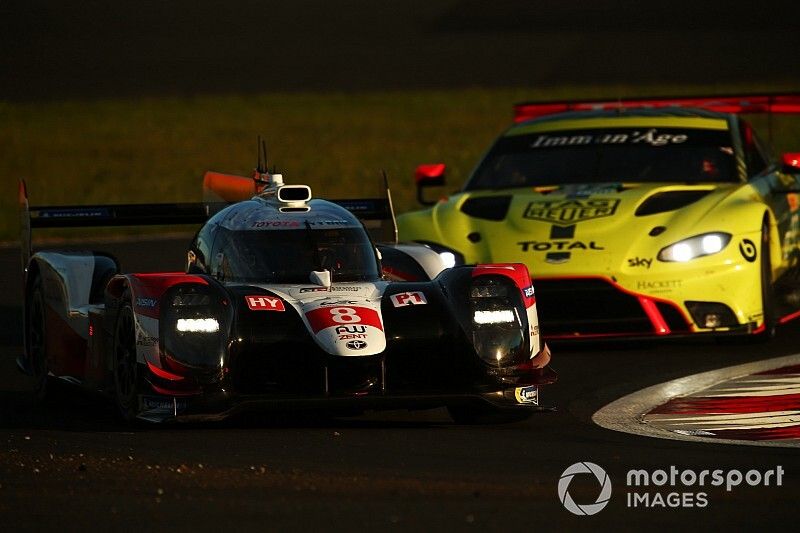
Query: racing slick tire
{"type": "Point", "coordinates": [127, 374]}
{"type": "Point", "coordinates": [483, 413]}
{"type": "Point", "coordinates": [36, 339]}
{"type": "Point", "coordinates": [767, 294]}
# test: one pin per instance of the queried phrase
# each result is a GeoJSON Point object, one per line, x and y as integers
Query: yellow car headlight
{"type": "Point", "coordinates": [694, 247]}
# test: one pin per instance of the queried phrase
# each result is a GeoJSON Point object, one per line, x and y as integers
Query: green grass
{"type": "Point", "coordinates": [156, 149]}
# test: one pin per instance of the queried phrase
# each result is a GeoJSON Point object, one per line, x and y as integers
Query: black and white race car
{"type": "Point", "coordinates": [286, 304]}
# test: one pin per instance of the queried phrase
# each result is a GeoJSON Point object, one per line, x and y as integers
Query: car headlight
{"type": "Point", "coordinates": [194, 323]}
{"type": "Point", "coordinates": [450, 257]}
{"type": "Point", "coordinates": [497, 316]}
{"type": "Point", "coordinates": [694, 247]}
{"type": "Point", "coordinates": [497, 328]}
{"type": "Point", "coordinates": [197, 325]}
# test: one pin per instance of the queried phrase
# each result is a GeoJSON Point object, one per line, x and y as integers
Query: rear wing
{"type": "Point", "coordinates": [87, 216]}
{"type": "Point", "coordinates": [219, 191]}
{"type": "Point", "coordinates": [788, 103]}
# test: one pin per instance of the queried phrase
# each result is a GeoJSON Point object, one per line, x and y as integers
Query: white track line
{"type": "Point", "coordinates": [626, 414]}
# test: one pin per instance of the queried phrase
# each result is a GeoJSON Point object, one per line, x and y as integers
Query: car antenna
{"type": "Point", "coordinates": [261, 165]}
{"type": "Point", "coordinates": [261, 175]}
{"type": "Point", "coordinates": [391, 205]}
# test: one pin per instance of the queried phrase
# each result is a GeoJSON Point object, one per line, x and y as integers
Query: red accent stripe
{"type": "Point", "coordinates": [163, 374]}
{"type": "Point", "coordinates": [659, 324]}
{"type": "Point", "coordinates": [657, 319]}
{"type": "Point", "coordinates": [786, 103]}
{"type": "Point", "coordinates": [793, 369]}
{"type": "Point", "coordinates": [729, 405]}
{"type": "Point", "coordinates": [782, 433]}
{"type": "Point", "coordinates": [517, 272]}
{"type": "Point", "coordinates": [789, 317]}
{"type": "Point", "coordinates": [154, 285]}
{"type": "Point", "coordinates": [327, 317]}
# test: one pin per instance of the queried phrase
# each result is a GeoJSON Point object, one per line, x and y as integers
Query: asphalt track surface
{"type": "Point", "coordinates": [73, 466]}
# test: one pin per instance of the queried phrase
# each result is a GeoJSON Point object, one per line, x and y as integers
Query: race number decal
{"type": "Point", "coordinates": [408, 298]}
{"type": "Point", "coordinates": [327, 317]}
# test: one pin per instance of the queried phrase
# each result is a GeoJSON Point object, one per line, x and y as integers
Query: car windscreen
{"type": "Point", "coordinates": [681, 155]}
{"type": "Point", "coordinates": [289, 256]}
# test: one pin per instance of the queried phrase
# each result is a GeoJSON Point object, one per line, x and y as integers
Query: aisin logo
{"type": "Point", "coordinates": [589, 508]}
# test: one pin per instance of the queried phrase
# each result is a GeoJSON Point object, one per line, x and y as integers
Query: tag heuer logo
{"type": "Point", "coordinates": [568, 212]}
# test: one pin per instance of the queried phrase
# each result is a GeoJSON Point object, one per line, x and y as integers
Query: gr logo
{"type": "Point", "coordinates": [586, 509]}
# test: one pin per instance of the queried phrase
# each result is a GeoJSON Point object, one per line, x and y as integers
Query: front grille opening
{"type": "Point", "coordinates": [281, 369]}
{"type": "Point", "coordinates": [298, 369]}
{"type": "Point", "coordinates": [587, 306]}
{"type": "Point", "coordinates": [712, 314]}
{"type": "Point", "coordinates": [673, 317]}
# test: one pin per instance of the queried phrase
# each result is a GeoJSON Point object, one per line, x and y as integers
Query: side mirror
{"type": "Point", "coordinates": [791, 162]}
{"type": "Point", "coordinates": [429, 176]}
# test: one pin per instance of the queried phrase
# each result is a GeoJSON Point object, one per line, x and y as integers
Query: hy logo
{"type": "Point", "coordinates": [589, 508]}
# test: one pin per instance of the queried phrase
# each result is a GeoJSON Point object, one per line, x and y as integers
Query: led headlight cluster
{"type": "Point", "coordinates": [497, 325]}
{"type": "Point", "coordinates": [197, 325]}
{"type": "Point", "coordinates": [694, 247]}
{"type": "Point", "coordinates": [499, 316]}
{"type": "Point", "coordinates": [194, 318]}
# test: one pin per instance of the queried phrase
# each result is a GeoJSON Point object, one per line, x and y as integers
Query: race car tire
{"type": "Point", "coordinates": [127, 374]}
{"type": "Point", "coordinates": [36, 338]}
{"type": "Point", "coordinates": [767, 294]}
{"type": "Point", "coordinates": [483, 413]}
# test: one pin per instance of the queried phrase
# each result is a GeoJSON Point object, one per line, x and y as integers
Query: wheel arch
{"type": "Point", "coordinates": [31, 273]}
{"type": "Point", "coordinates": [775, 249]}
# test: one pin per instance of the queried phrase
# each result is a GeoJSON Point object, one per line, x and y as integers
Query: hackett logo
{"type": "Point", "coordinates": [567, 212]}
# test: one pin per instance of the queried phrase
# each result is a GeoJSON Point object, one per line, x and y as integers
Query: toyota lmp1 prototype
{"type": "Point", "coordinates": [653, 217]}
{"type": "Point", "coordinates": [285, 304]}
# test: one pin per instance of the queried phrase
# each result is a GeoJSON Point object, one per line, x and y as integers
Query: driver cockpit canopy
{"type": "Point", "coordinates": [281, 236]}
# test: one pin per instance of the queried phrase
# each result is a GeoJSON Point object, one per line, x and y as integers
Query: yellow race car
{"type": "Point", "coordinates": [653, 217]}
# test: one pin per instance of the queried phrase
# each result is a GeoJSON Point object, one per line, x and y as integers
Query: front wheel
{"type": "Point", "coordinates": [37, 341]}
{"type": "Point", "coordinates": [127, 375]}
{"type": "Point", "coordinates": [483, 413]}
{"type": "Point", "coordinates": [767, 294]}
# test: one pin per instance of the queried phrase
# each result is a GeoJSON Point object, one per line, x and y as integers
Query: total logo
{"type": "Point", "coordinates": [547, 246]}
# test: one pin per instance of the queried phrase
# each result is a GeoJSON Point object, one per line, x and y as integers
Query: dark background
{"type": "Point", "coordinates": [53, 49]}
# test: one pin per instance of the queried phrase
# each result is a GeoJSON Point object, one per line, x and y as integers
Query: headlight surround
{"type": "Point", "coordinates": [496, 311]}
{"type": "Point", "coordinates": [194, 324]}
{"type": "Point", "coordinates": [694, 247]}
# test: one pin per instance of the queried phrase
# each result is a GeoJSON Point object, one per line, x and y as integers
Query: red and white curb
{"type": "Point", "coordinates": [754, 404]}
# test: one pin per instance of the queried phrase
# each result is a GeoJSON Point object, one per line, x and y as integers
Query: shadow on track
{"type": "Point", "coordinates": [69, 408]}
